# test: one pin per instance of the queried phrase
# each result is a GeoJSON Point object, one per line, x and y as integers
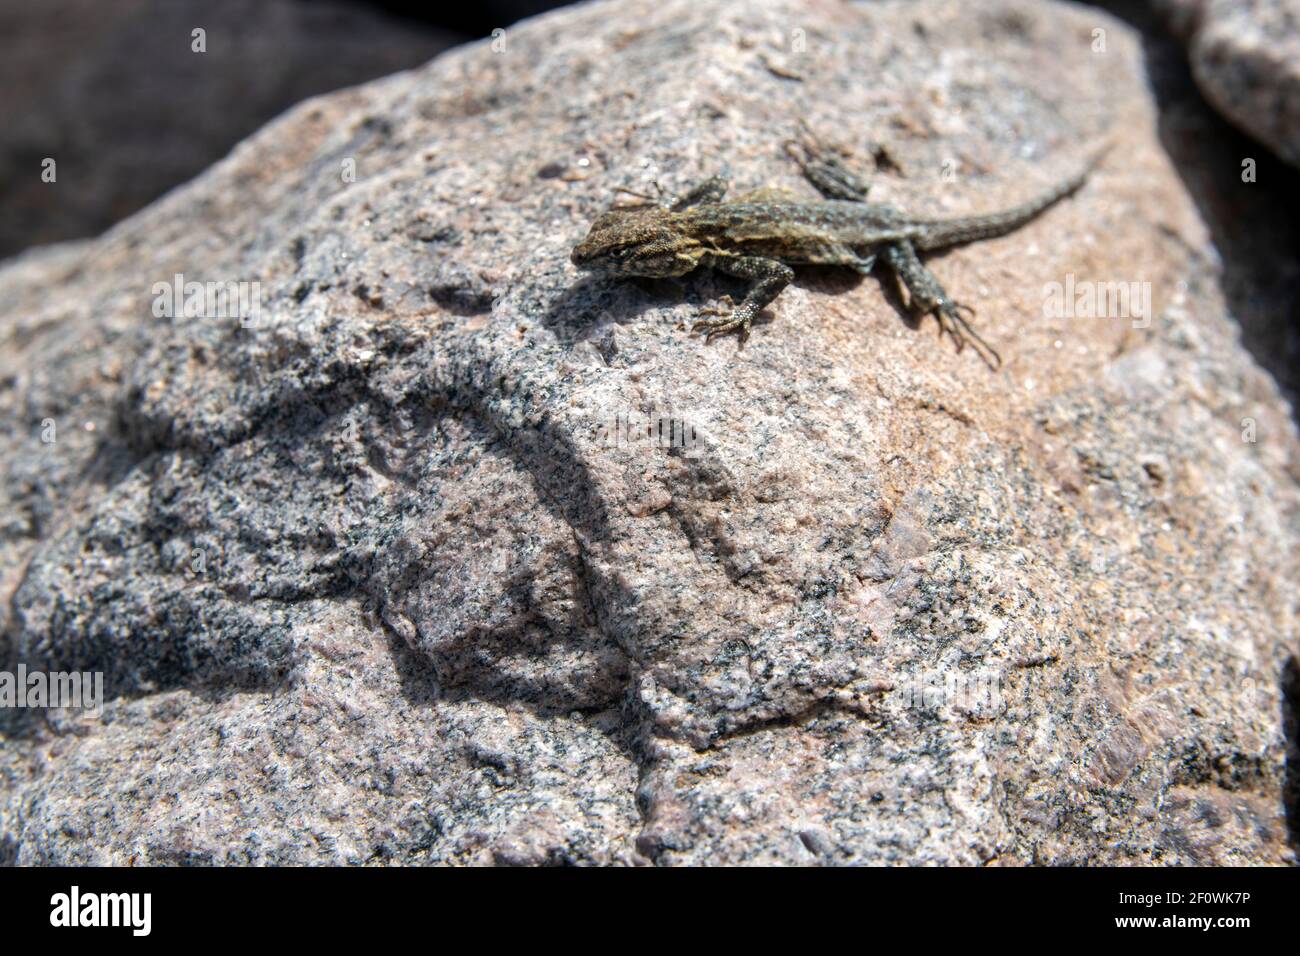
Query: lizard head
{"type": "Point", "coordinates": [637, 241]}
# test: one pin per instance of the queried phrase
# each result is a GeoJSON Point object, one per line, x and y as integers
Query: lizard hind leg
{"type": "Point", "coordinates": [928, 296]}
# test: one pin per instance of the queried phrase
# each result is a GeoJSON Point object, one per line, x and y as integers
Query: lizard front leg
{"type": "Point", "coordinates": [771, 277]}
{"type": "Point", "coordinates": [928, 296]}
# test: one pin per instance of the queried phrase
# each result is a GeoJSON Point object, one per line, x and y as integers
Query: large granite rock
{"type": "Point", "coordinates": [370, 581]}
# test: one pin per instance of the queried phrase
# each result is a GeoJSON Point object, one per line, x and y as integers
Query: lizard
{"type": "Point", "coordinates": [760, 235]}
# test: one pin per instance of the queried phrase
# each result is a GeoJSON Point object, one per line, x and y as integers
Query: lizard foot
{"type": "Point", "coordinates": [727, 321]}
{"type": "Point", "coordinates": [953, 320]}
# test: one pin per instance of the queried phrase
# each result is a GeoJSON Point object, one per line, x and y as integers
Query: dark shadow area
{"type": "Point", "coordinates": [474, 19]}
{"type": "Point", "coordinates": [108, 104]}
{"type": "Point", "coordinates": [423, 686]}
{"type": "Point", "coordinates": [1255, 226]}
{"type": "Point", "coordinates": [580, 309]}
{"type": "Point", "coordinates": [118, 96]}
{"type": "Point", "coordinates": [1290, 688]}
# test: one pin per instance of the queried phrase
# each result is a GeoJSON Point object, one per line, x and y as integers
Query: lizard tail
{"type": "Point", "coordinates": [941, 233]}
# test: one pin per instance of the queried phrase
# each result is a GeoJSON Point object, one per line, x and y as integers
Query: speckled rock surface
{"type": "Point", "coordinates": [371, 583]}
{"type": "Point", "coordinates": [1245, 55]}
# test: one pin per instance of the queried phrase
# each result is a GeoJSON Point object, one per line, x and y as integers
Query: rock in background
{"type": "Point", "coordinates": [1248, 198]}
{"type": "Point", "coordinates": [379, 576]}
{"type": "Point", "coordinates": [114, 93]}
{"type": "Point", "coordinates": [1245, 55]}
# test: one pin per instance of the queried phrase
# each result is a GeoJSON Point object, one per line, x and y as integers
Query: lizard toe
{"type": "Point", "coordinates": [727, 321]}
{"type": "Point", "coordinates": [954, 319]}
